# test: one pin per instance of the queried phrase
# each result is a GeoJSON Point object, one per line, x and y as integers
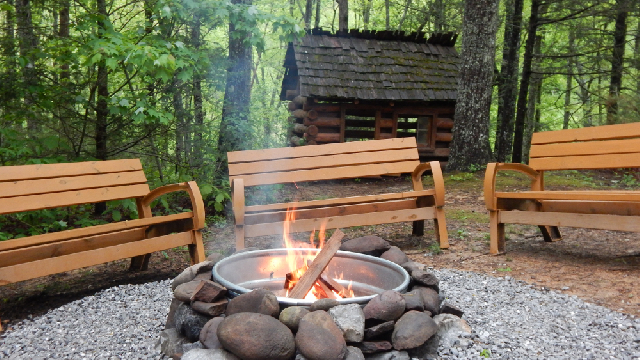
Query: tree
{"type": "Point", "coordinates": [470, 145]}
{"type": "Point", "coordinates": [617, 60]}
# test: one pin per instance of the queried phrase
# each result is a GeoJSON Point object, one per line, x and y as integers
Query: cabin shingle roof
{"type": "Point", "coordinates": [371, 69]}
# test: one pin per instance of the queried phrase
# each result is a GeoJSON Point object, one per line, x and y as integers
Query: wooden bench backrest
{"type": "Point", "coordinates": [34, 187]}
{"type": "Point", "coordinates": [324, 162]}
{"type": "Point", "coordinates": [600, 147]}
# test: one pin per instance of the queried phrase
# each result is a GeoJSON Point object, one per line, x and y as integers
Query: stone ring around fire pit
{"type": "Point", "coordinates": [368, 275]}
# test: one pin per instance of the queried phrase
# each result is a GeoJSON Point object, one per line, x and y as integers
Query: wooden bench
{"type": "Point", "coordinates": [329, 162]}
{"type": "Point", "coordinates": [602, 147]}
{"type": "Point", "coordinates": [36, 187]}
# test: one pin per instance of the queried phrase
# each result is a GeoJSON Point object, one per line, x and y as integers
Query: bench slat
{"type": "Point", "coordinates": [586, 148]}
{"type": "Point", "coordinates": [338, 201]}
{"type": "Point", "coordinates": [334, 222]}
{"type": "Point", "coordinates": [323, 161]}
{"type": "Point", "coordinates": [53, 185]}
{"type": "Point", "coordinates": [573, 195]}
{"type": "Point", "coordinates": [589, 221]}
{"type": "Point", "coordinates": [23, 255]}
{"type": "Point", "coordinates": [329, 173]}
{"type": "Point", "coordinates": [605, 132]}
{"type": "Point", "coordinates": [89, 231]}
{"type": "Point", "coordinates": [68, 198]}
{"type": "Point", "coordinates": [610, 161]}
{"type": "Point", "coordinates": [324, 212]}
{"type": "Point", "coordinates": [625, 208]}
{"type": "Point", "coordinates": [64, 263]}
{"type": "Point", "coordinates": [327, 149]}
{"type": "Point", "coordinates": [41, 171]}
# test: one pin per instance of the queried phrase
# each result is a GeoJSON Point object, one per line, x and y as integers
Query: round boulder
{"type": "Point", "coordinates": [387, 306]}
{"type": "Point", "coordinates": [292, 315]}
{"type": "Point", "coordinates": [253, 336]}
{"type": "Point", "coordinates": [319, 338]}
{"type": "Point", "coordinates": [208, 334]}
{"type": "Point", "coordinates": [259, 301]}
{"type": "Point", "coordinates": [412, 330]}
{"type": "Point", "coordinates": [430, 299]}
{"type": "Point", "coordinates": [394, 254]}
{"type": "Point", "coordinates": [208, 354]}
{"type": "Point", "coordinates": [368, 245]}
{"type": "Point", "coordinates": [188, 322]}
{"type": "Point", "coordinates": [323, 304]}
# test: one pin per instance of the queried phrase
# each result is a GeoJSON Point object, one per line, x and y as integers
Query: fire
{"type": "Point", "coordinates": [325, 287]}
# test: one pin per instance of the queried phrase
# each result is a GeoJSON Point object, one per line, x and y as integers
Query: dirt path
{"type": "Point", "coordinates": [601, 267]}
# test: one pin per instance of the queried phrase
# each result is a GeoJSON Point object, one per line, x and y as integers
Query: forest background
{"type": "Point", "coordinates": [178, 83]}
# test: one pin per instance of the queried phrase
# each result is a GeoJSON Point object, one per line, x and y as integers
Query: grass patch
{"type": "Point", "coordinates": [466, 216]}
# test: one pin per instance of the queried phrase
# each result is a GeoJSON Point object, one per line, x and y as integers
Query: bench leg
{"type": "Point", "coordinates": [239, 237]}
{"type": "Point", "coordinates": [496, 232]}
{"type": "Point", "coordinates": [418, 228]}
{"type": "Point", "coordinates": [196, 249]}
{"type": "Point", "coordinates": [440, 224]}
{"type": "Point", "coordinates": [550, 233]}
{"type": "Point", "coordinates": [140, 263]}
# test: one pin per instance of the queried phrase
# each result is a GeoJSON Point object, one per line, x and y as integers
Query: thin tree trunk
{"type": "Point", "coordinates": [366, 13]}
{"type": "Point", "coordinates": [567, 94]}
{"type": "Point", "coordinates": [470, 145]}
{"type": "Point", "coordinates": [318, 8]}
{"type": "Point", "coordinates": [438, 18]}
{"type": "Point", "coordinates": [524, 82]}
{"type": "Point", "coordinates": [181, 119]}
{"type": "Point", "coordinates": [617, 60]}
{"type": "Point", "coordinates": [308, 10]}
{"type": "Point", "coordinates": [235, 129]}
{"type": "Point", "coordinates": [102, 110]}
{"type": "Point", "coordinates": [636, 57]}
{"type": "Point", "coordinates": [9, 77]}
{"type": "Point", "coordinates": [386, 18]}
{"type": "Point", "coordinates": [404, 14]}
{"type": "Point", "coordinates": [535, 88]}
{"type": "Point", "coordinates": [64, 33]}
{"type": "Point", "coordinates": [508, 80]}
{"type": "Point", "coordinates": [28, 42]}
{"type": "Point", "coordinates": [197, 159]}
{"type": "Point", "coordinates": [343, 15]}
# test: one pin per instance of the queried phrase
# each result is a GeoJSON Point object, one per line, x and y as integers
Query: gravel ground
{"type": "Point", "coordinates": [511, 320]}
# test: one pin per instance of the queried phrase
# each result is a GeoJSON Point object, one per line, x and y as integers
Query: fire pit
{"type": "Point", "coordinates": [365, 275]}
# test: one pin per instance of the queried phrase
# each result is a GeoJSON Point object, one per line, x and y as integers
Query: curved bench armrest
{"type": "Point", "coordinates": [144, 211]}
{"type": "Point", "coordinates": [492, 172]}
{"type": "Point", "coordinates": [438, 180]}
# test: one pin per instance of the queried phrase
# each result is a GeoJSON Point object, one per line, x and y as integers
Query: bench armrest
{"type": "Point", "coordinates": [237, 200]}
{"type": "Point", "coordinates": [144, 211]}
{"type": "Point", "coordinates": [438, 180]}
{"type": "Point", "coordinates": [490, 175]}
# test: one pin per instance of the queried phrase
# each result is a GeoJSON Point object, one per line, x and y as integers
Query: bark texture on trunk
{"type": "Point", "coordinates": [235, 129]}
{"type": "Point", "coordinates": [508, 80]}
{"type": "Point", "coordinates": [617, 60]}
{"type": "Point", "coordinates": [318, 8]}
{"type": "Point", "coordinates": [521, 111]}
{"type": "Point", "coordinates": [197, 160]}
{"type": "Point", "coordinates": [27, 42]}
{"type": "Point", "coordinates": [532, 122]}
{"type": "Point", "coordinates": [308, 10]}
{"type": "Point", "coordinates": [470, 145]}
{"type": "Point", "coordinates": [102, 83]}
{"type": "Point", "coordinates": [343, 15]}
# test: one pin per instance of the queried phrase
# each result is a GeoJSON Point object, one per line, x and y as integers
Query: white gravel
{"type": "Point", "coordinates": [511, 320]}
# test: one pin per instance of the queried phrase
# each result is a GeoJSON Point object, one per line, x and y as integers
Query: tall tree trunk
{"type": "Point", "coordinates": [533, 119]}
{"type": "Point", "coordinates": [508, 80]}
{"type": "Point", "coordinates": [404, 14]}
{"type": "Point", "coordinates": [617, 60]}
{"type": "Point", "coordinates": [9, 76]}
{"type": "Point", "coordinates": [524, 82]}
{"type": "Point", "coordinates": [64, 33]}
{"type": "Point", "coordinates": [366, 13]}
{"type": "Point", "coordinates": [197, 159]}
{"type": "Point", "coordinates": [636, 57]}
{"type": "Point", "coordinates": [318, 8]}
{"type": "Point", "coordinates": [102, 110]}
{"type": "Point", "coordinates": [28, 42]}
{"type": "Point", "coordinates": [567, 94]}
{"type": "Point", "coordinates": [470, 145]}
{"type": "Point", "coordinates": [438, 15]}
{"type": "Point", "coordinates": [235, 130]}
{"type": "Point", "coordinates": [386, 17]}
{"type": "Point", "coordinates": [343, 15]}
{"type": "Point", "coordinates": [308, 11]}
{"type": "Point", "coordinates": [181, 119]}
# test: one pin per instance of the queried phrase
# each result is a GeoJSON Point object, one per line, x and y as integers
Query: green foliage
{"type": "Point", "coordinates": [434, 248]}
{"type": "Point", "coordinates": [486, 353]}
{"type": "Point", "coordinates": [462, 176]}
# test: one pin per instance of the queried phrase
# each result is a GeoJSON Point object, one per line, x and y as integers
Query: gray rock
{"type": "Point", "coordinates": [430, 299]}
{"type": "Point", "coordinates": [353, 353]}
{"type": "Point", "coordinates": [259, 301]}
{"type": "Point", "coordinates": [214, 257]}
{"type": "Point", "coordinates": [190, 273]}
{"type": "Point", "coordinates": [210, 309]}
{"type": "Point", "coordinates": [350, 319]}
{"type": "Point", "coordinates": [378, 330]}
{"type": "Point", "coordinates": [253, 336]}
{"type": "Point", "coordinates": [369, 245]}
{"type": "Point", "coordinates": [413, 301]}
{"type": "Point", "coordinates": [450, 329]}
{"type": "Point", "coordinates": [171, 321]}
{"type": "Point", "coordinates": [412, 330]}
{"type": "Point", "coordinates": [372, 347]}
{"type": "Point", "coordinates": [190, 346]}
{"type": "Point", "coordinates": [447, 308]}
{"type": "Point", "coordinates": [412, 266]}
{"type": "Point", "coordinates": [292, 315]}
{"type": "Point", "coordinates": [319, 338]}
{"type": "Point", "coordinates": [394, 254]}
{"type": "Point", "coordinates": [185, 291]}
{"type": "Point", "coordinates": [427, 279]}
{"type": "Point", "coordinates": [387, 306]}
{"type": "Point", "coordinates": [391, 355]}
{"type": "Point", "coordinates": [188, 322]}
{"type": "Point", "coordinates": [208, 335]}
{"type": "Point", "coordinates": [323, 304]}
{"type": "Point", "coordinates": [171, 341]}
{"type": "Point", "coordinates": [208, 354]}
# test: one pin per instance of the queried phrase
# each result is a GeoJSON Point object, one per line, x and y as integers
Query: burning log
{"type": "Point", "coordinates": [302, 287]}
{"type": "Point", "coordinates": [334, 286]}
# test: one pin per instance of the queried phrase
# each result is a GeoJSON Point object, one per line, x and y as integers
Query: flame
{"type": "Point", "coordinates": [298, 261]}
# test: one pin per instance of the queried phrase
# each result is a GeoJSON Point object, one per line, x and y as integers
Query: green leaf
{"type": "Point", "coordinates": [116, 215]}
{"type": "Point", "coordinates": [220, 197]}
{"type": "Point", "coordinates": [205, 190]}
{"type": "Point", "coordinates": [111, 63]}
{"type": "Point", "coordinates": [180, 44]}
{"type": "Point", "coordinates": [124, 102]}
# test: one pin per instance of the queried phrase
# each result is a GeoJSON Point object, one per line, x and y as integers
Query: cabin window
{"type": "Point", "coordinates": [423, 130]}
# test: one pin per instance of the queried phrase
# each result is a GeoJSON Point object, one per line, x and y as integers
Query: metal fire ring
{"type": "Point", "coordinates": [246, 271]}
